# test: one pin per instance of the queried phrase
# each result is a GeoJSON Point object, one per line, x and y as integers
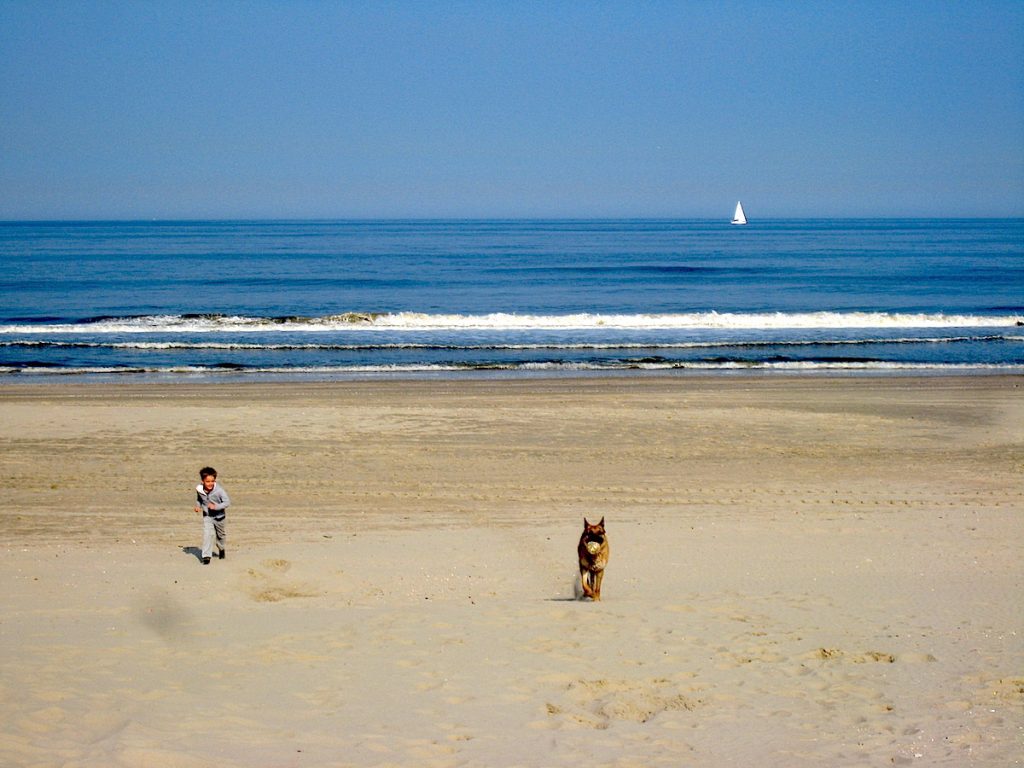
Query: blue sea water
{"type": "Point", "coordinates": [348, 299]}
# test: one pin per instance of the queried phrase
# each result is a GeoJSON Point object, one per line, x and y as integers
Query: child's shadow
{"type": "Point", "coordinates": [196, 552]}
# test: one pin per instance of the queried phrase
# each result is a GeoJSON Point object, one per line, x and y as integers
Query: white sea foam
{"type": "Point", "coordinates": [526, 367]}
{"type": "Point", "coordinates": [694, 320]}
{"type": "Point", "coordinates": [410, 321]}
{"type": "Point", "coordinates": [524, 347]}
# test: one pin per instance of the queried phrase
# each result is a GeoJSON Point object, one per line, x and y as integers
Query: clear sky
{"type": "Point", "coordinates": [510, 109]}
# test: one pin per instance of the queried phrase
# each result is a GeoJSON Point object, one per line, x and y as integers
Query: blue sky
{"type": "Point", "coordinates": [480, 109]}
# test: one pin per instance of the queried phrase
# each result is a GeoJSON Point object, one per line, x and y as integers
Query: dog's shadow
{"type": "Point", "coordinates": [577, 594]}
{"type": "Point", "coordinates": [196, 552]}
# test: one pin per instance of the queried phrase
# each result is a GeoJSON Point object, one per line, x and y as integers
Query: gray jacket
{"type": "Point", "coordinates": [218, 497]}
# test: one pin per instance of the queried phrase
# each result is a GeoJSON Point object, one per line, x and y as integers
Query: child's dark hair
{"type": "Point", "coordinates": [207, 471]}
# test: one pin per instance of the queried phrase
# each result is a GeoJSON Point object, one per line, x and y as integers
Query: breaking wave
{"type": "Point", "coordinates": [500, 321]}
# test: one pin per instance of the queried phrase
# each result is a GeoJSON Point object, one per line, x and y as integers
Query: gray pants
{"type": "Point", "coordinates": [213, 526]}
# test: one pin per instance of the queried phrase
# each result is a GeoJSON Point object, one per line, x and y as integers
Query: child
{"type": "Point", "coordinates": [211, 502]}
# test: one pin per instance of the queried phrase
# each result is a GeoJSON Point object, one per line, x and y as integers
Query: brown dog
{"type": "Point", "coordinates": [593, 551]}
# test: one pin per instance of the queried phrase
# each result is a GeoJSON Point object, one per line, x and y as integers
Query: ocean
{"type": "Point", "coordinates": [330, 300]}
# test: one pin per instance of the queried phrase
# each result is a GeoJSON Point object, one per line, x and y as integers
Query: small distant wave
{"type": "Point", "coordinates": [500, 321]}
{"type": "Point", "coordinates": [525, 347]}
{"type": "Point", "coordinates": [553, 366]}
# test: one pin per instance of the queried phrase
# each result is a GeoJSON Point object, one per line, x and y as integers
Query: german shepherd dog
{"type": "Point", "coordinates": [593, 552]}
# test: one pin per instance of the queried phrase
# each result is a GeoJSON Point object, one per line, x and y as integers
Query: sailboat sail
{"type": "Point", "coordinates": [739, 217]}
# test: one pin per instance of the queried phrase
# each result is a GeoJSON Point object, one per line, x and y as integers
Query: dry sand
{"type": "Point", "coordinates": [804, 572]}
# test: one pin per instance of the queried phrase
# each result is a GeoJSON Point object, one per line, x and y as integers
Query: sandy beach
{"type": "Point", "coordinates": [804, 572]}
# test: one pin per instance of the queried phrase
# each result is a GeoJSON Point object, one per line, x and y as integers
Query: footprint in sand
{"type": "Point", "coordinates": [599, 703]}
{"type": "Point", "coordinates": [1007, 689]}
{"type": "Point", "coordinates": [267, 585]}
{"type": "Point", "coordinates": [835, 654]}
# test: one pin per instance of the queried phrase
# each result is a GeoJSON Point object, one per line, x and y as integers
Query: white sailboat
{"type": "Point", "coordinates": [739, 217]}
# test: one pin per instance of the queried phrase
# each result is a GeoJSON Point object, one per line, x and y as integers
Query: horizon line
{"type": "Point", "coordinates": [385, 219]}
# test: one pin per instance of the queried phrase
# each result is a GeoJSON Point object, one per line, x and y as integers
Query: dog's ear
{"type": "Point", "coordinates": [585, 523]}
{"type": "Point", "coordinates": [601, 524]}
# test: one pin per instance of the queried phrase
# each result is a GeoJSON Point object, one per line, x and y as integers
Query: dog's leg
{"type": "Point", "coordinates": [585, 582]}
{"type": "Point", "coordinates": [598, 578]}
